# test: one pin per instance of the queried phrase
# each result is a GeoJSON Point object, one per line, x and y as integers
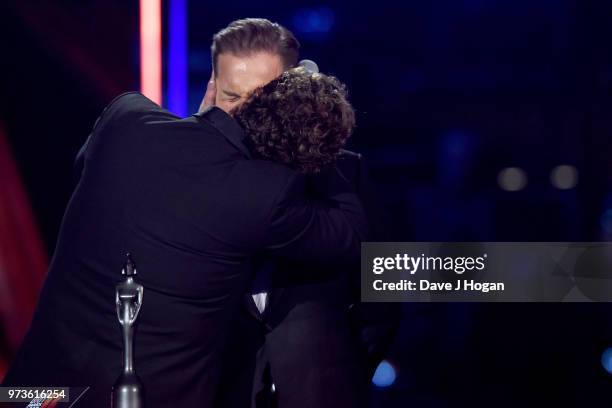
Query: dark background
{"type": "Point", "coordinates": [448, 93]}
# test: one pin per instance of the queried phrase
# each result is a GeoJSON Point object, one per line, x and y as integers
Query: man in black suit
{"type": "Point", "coordinates": [313, 344]}
{"type": "Point", "coordinates": [307, 333]}
{"type": "Point", "coordinates": [193, 205]}
{"type": "Point", "coordinates": [322, 345]}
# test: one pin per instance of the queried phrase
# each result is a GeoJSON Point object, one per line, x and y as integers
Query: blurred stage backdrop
{"type": "Point", "coordinates": [481, 120]}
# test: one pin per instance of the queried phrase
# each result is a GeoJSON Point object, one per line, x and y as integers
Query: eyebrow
{"type": "Point", "coordinates": [232, 94]}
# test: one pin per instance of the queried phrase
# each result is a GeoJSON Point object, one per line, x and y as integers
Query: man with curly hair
{"type": "Point", "coordinates": [303, 340]}
{"type": "Point", "coordinates": [301, 120]}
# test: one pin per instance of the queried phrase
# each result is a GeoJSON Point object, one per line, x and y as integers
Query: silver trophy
{"type": "Point", "coordinates": [128, 389]}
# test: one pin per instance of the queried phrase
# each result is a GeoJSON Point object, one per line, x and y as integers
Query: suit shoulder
{"type": "Point", "coordinates": [126, 96]}
{"type": "Point", "coordinates": [128, 105]}
{"type": "Point", "coordinates": [126, 102]}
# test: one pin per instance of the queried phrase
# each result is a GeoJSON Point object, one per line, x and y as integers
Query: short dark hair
{"type": "Point", "coordinates": [249, 35]}
{"type": "Point", "coordinates": [300, 119]}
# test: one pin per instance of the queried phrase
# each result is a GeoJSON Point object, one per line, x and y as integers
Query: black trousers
{"type": "Point", "coordinates": [309, 360]}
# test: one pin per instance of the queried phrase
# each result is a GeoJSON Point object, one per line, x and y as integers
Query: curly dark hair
{"type": "Point", "coordinates": [300, 119]}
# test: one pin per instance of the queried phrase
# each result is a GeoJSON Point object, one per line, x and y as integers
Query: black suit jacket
{"type": "Point", "coordinates": [315, 340]}
{"type": "Point", "coordinates": [191, 205]}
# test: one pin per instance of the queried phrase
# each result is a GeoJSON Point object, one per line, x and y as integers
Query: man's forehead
{"type": "Point", "coordinates": [253, 57]}
{"type": "Point", "coordinates": [241, 66]}
{"type": "Point", "coordinates": [243, 73]}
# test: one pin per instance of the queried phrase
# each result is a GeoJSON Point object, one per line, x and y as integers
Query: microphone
{"type": "Point", "coordinates": [309, 65]}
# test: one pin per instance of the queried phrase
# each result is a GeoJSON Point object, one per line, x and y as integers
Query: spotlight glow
{"type": "Point", "coordinates": [606, 360]}
{"type": "Point", "coordinates": [318, 20]}
{"type": "Point", "coordinates": [564, 177]}
{"type": "Point", "coordinates": [385, 375]}
{"type": "Point", "coordinates": [512, 179]}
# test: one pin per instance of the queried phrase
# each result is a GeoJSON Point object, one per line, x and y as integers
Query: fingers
{"type": "Point", "coordinates": [211, 93]}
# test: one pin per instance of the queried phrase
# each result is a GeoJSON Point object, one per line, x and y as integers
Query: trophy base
{"type": "Point", "coordinates": [127, 393]}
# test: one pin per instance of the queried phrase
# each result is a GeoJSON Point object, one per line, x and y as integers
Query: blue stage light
{"type": "Point", "coordinates": [318, 20]}
{"type": "Point", "coordinates": [385, 375]}
{"type": "Point", "coordinates": [606, 360]}
{"type": "Point", "coordinates": [177, 58]}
